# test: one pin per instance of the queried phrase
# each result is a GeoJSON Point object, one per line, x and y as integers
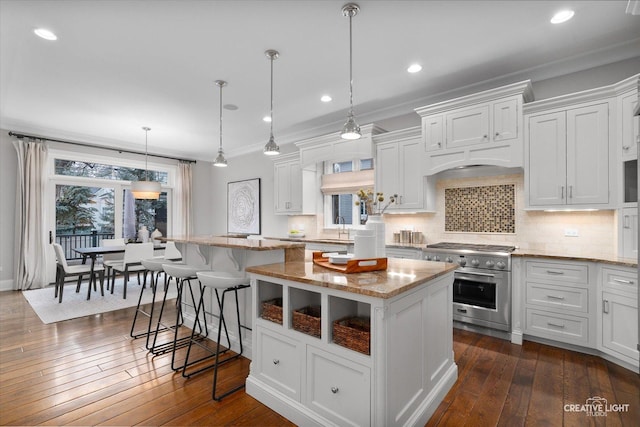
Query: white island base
{"type": "Point", "coordinates": [314, 381]}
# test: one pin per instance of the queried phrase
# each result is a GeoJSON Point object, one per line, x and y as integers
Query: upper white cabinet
{"type": "Point", "coordinates": [629, 232]}
{"type": "Point", "coordinates": [294, 186]}
{"type": "Point", "coordinates": [570, 160]}
{"type": "Point", "coordinates": [627, 123]}
{"type": "Point", "coordinates": [399, 170]}
{"type": "Point", "coordinates": [484, 128]}
{"type": "Point", "coordinates": [568, 157]}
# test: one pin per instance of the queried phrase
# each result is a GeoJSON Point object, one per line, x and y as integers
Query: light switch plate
{"type": "Point", "coordinates": [571, 232]}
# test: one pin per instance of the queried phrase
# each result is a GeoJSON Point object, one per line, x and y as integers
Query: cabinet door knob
{"type": "Point", "coordinates": [625, 147]}
{"type": "Point", "coordinates": [439, 144]}
{"type": "Point", "coordinates": [334, 390]}
{"type": "Point", "coordinates": [276, 361]}
{"type": "Point", "coordinates": [485, 136]}
{"type": "Point", "coordinates": [497, 133]}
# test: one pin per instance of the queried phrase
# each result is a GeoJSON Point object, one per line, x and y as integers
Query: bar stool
{"type": "Point", "coordinates": [227, 282]}
{"type": "Point", "coordinates": [181, 273]}
{"type": "Point", "coordinates": [153, 266]}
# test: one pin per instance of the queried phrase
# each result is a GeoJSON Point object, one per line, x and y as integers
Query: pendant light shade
{"type": "Point", "coordinates": [146, 190]}
{"type": "Point", "coordinates": [220, 161]}
{"type": "Point", "coordinates": [271, 148]}
{"type": "Point", "coordinates": [350, 130]}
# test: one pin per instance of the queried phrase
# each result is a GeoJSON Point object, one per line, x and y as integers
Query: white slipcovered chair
{"type": "Point", "coordinates": [134, 253]}
{"type": "Point", "coordinates": [108, 260]}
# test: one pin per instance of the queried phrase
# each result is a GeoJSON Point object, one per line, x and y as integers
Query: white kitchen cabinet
{"type": "Point", "coordinates": [629, 224]}
{"type": "Point", "coordinates": [619, 314]}
{"type": "Point", "coordinates": [403, 253]}
{"type": "Point", "coordinates": [295, 188]}
{"type": "Point", "coordinates": [568, 157]}
{"type": "Point", "coordinates": [399, 169]}
{"type": "Point", "coordinates": [433, 133]}
{"type": "Point", "coordinates": [629, 125]}
{"type": "Point", "coordinates": [315, 380]}
{"type": "Point", "coordinates": [559, 299]}
{"type": "Point", "coordinates": [483, 128]}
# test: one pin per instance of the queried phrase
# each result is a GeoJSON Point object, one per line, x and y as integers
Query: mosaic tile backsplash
{"type": "Point", "coordinates": [487, 209]}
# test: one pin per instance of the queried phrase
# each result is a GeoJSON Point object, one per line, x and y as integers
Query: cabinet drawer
{"type": "Point", "coordinates": [338, 389]}
{"type": "Point", "coordinates": [558, 272]}
{"type": "Point", "coordinates": [620, 280]}
{"type": "Point", "coordinates": [566, 328]}
{"type": "Point", "coordinates": [279, 362]}
{"type": "Point", "coordinates": [557, 298]}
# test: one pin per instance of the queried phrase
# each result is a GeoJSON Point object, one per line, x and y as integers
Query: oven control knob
{"type": "Point", "coordinates": [489, 264]}
{"type": "Point", "coordinates": [501, 265]}
{"type": "Point", "coordinates": [449, 259]}
{"type": "Point", "coordinates": [475, 262]}
{"type": "Point", "coordinates": [436, 258]}
{"type": "Point", "coordinates": [427, 257]}
{"type": "Point", "coordinates": [462, 262]}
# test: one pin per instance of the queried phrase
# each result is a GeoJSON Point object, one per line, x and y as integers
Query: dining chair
{"type": "Point", "coordinates": [134, 253]}
{"type": "Point", "coordinates": [63, 270]}
{"type": "Point", "coordinates": [108, 260]}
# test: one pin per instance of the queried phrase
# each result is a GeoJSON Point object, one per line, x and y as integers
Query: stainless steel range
{"type": "Point", "coordinates": [482, 282]}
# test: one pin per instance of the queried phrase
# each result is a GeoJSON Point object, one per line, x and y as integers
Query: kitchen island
{"type": "Point", "coordinates": [314, 373]}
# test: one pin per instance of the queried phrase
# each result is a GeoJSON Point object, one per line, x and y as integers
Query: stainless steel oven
{"type": "Point", "coordinates": [482, 282]}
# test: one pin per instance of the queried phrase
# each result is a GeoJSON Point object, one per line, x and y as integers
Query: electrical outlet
{"type": "Point", "coordinates": [571, 232]}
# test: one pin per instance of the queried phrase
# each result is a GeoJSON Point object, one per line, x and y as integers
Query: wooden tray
{"type": "Point", "coordinates": [353, 265]}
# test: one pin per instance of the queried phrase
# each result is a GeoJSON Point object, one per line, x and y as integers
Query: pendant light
{"type": "Point", "coordinates": [220, 161]}
{"type": "Point", "coordinates": [271, 148]}
{"type": "Point", "coordinates": [350, 130]}
{"type": "Point", "coordinates": [146, 190]}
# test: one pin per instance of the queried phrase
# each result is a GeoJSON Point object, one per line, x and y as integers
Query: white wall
{"type": "Point", "coordinates": [8, 171]}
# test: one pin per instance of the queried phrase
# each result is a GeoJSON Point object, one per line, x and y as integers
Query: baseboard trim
{"type": "Point", "coordinates": [6, 285]}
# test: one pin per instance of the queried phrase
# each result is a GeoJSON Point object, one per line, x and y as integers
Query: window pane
{"type": "Point", "coordinates": [84, 216]}
{"type": "Point", "coordinates": [366, 164]}
{"type": "Point", "coordinates": [343, 167]}
{"type": "Point", "coordinates": [98, 170]}
{"type": "Point", "coordinates": [138, 212]}
{"type": "Point", "coordinates": [342, 209]}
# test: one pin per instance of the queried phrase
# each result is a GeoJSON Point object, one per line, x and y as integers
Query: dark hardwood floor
{"type": "Point", "coordinates": [89, 372]}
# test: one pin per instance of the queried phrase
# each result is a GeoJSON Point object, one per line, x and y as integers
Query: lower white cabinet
{"type": "Point", "coordinates": [559, 297]}
{"type": "Point", "coordinates": [405, 253]}
{"type": "Point", "coordinates": [338, 389]}
{"type": "Point", "coordinates": [315, 378]}
{"type": "Point", "coordinates": [280, 362]}
{"type": "Point", "coordinates": [619, 314]}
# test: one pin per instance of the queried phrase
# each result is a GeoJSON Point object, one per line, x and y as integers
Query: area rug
{"type": "Point", "coordinates": [75, 305]}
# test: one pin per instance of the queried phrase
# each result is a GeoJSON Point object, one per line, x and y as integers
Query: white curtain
{"type": "Point", "coordinates": [30, 232]}
{"type": "Point", "coordinates": [183, 193]}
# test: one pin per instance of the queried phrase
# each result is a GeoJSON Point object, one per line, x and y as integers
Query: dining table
{"type": "Point", "coordinates": [95, 251]}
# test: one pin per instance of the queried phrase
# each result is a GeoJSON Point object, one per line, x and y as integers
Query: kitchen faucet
{"type": "Point", "coordinates": [342, 230]}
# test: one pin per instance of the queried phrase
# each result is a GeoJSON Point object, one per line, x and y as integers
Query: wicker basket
{"type": "Point", "coordinates": [353, 333]}
{"type": "Point", "coordinates": [307, 320]}
{"type": "Point", "coordinates": [272, 310]}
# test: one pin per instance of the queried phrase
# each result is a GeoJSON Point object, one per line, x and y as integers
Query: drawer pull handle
{"type": "Point", "coordinates": [334, 390]}
{"type": "Point", "coordinates": [626, 282]}
{"type": "Point", "coordinates": [276, 361]}
{"type": "Point", "coordinates": [555, 324]}
{"type": "Point", "coordinates": [605, 306]}
{"type": "Point", "coordinates": [554, 297]}
{"type": "Point", "coordinates": [555, 272]}
{"type": "Point", "coordinates": [462, 310]}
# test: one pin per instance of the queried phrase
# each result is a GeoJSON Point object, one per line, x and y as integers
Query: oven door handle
{"type": "Point", "coordinates": [475, 277]}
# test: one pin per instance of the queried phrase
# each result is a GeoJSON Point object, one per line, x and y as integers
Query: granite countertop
{"type": "Point", "coordinates": [235, 242]}
{"type": "Point", "coordinates": [607, 259]}
{"type": "Point", "coordinates": [400, 276]}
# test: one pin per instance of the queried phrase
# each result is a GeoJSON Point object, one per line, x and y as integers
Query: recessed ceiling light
{"type": "Point", "coordinates": [414, 68]}
{"type": "Point", "coordinates": [562, 16]}
{"type": "Point", "coordinates": [45, 34]}
{"type": "Point", "coordinates": [326, 98]}
{"type": "Point", "coordinates": [266, 119]}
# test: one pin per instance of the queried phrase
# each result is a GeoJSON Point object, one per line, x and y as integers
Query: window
{"type": "Point", "coordinates": [340, 183]}
{"type": "Point", "coordinates": [93, 199]}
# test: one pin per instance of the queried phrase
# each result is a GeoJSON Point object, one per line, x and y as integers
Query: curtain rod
{"type": "Point", "coordinates": [104, 147]}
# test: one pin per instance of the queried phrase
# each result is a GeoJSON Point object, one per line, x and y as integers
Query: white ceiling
{"type": "Point", "coordinates": [119, 65]}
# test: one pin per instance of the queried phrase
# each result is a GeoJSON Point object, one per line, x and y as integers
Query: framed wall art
{"type": "Point", "coordinates": [243, 207]}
